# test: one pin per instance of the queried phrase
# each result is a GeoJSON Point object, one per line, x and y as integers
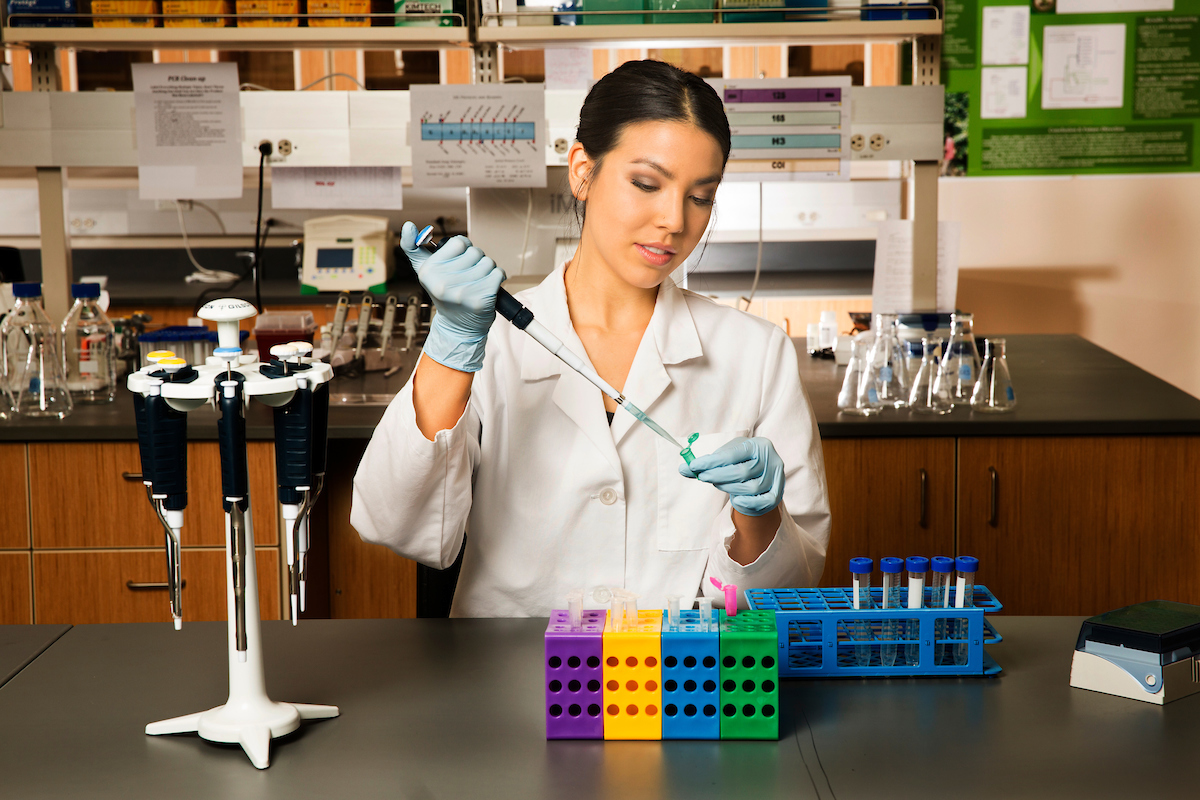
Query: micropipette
{"type": "Point", "coordinates": [511, 309]}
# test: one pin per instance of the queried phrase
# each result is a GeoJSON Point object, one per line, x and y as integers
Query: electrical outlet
{"type": "Point", "coordinates": [857, 142]}
{"type": "Point", "coordinates": [878, 140]}
{"type": "Point", "coordinates": [284, 148]}
{"type": "Point", "coordinates": [561, 146]}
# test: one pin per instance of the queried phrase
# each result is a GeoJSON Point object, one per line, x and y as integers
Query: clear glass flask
{"type": "Point", "coordinates": [993, 391]}
{"type": "Point", "coordinates": [860, 588]}
{"type": "Point", "coordinates": [886, 371]}
{"type": "Point", "coordinates": [964, 597]}
{"type": "Point", "coordinates": [32, 357]}
{"type": "Point", "coordinates": [893, 598]}
{"type": "Point", "coordinates": [850, 401]}
{"type": "Point", "coordinates": [941, 568]}
{"type": "Point", "coordinates": [916, 567]}
{"type": "Point", "coordinates": [960, 362]}
{"type": "Point", "coordinates": [930, 394]}
{"type": "Point", "coordinates": [88, 354]}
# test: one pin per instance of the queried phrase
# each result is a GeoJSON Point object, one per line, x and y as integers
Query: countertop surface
{"type": "Point", "coordinates": [455, 708]}
{"type": "Point", "coordinates": [1064, 384]}
{"type": "Point", "coordinates": [21, 644]}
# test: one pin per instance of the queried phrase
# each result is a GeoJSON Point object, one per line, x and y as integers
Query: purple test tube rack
{"type": "Point", "coordinates": [574, 676]}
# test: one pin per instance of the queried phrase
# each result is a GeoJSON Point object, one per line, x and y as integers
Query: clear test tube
{"type": "Point", "coordinates": [706, 613]}
{"type": "Point", "coordinates": [916, 566]}
{"type": "Point", "coordinates": [893, 599]}
{"type": "Point", "coordinates": [939, 597]}
{"type": "Point", "coordinates": [673, 612]}
{"type": "Point", "coordinates": [964, 597]}
{"type": "Point", "coordinates": [575, 609]}
{"type": "Point", "coordinates": [860, 580]}
{"type": "Point", "coordinates": [617, 612]}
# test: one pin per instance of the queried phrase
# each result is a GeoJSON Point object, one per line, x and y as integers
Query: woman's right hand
{"type": "Point", "coordinates": [463, 283]}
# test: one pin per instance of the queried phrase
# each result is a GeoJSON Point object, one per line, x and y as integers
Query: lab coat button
{"type": "Point", "coordinates": [608, 497]}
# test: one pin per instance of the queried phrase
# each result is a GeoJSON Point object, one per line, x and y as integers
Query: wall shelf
{"type": "Point", "coordinates": [365, 38]}
{"type": "Point", "coordinates": [713, 34]}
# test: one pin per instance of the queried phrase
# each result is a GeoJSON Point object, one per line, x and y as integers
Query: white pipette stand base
{"type": "Point", "coordinates": [249, 717]}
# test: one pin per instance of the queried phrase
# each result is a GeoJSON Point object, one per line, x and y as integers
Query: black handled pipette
{"type": "Point", "coordinates": [511, 309]}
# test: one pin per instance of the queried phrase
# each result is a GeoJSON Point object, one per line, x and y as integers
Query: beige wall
{"type": "Point", "coordinates": [1116, 260]}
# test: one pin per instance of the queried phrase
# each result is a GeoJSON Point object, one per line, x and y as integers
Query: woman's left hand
{"type": "Point", "coordinates": [749, 470]}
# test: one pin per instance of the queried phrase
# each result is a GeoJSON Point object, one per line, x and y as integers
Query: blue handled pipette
{"type": "Point", "coordinates": [511, 309]}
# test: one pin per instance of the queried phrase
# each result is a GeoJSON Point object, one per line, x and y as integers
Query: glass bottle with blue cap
{"type": "Point", "coordinates": [88, 354]}
{"type": "Point", "coordinates": [33, 358]}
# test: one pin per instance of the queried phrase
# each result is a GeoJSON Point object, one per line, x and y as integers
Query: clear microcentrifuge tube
{"type": "Point", "coordinates": [892, 600]}
{"type": "Point", "coordinates": [575, 609]}
{"type": "Point", "coordinates": [686, 453]}
{"type": "Point", "coordinates": [673, 612]}
{"type": "Point", "coordinates": [617, 612]}
{"type": "Point", "coordinates": [860, 577]}
{"type": "Point", "coordinates": [706, 613]}
{"type": "Point", "coordinates": [939, 597]}
{"type": "Point", "coordinates": [916, 566]}
{"type": "Point", "coordinates": [964, 597]}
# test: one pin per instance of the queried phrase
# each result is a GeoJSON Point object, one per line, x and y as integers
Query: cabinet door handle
{"type": "Point", "coordinates": [924, 497]}
{"type": "Point", "coordinates": [132, 477]}
{"type": "Point", "coordinates": [151, 587]}
{"type": "Point", "coordinates": [994, 514]}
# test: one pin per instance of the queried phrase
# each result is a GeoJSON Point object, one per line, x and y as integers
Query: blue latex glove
{"type": "Point", "coordinates": [749, 470]}
{"type": "Point", "coordinates": [463, 283]}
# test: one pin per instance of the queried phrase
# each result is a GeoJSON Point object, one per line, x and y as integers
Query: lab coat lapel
{"type": "Point", "coordinates": [670, 339]}
{"type": "Point", "coordinates": [582, 402]}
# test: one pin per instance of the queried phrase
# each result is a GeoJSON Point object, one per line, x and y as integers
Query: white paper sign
{"type": "Point", "coordinates": [479, 135]}
{"type": "Point", "coordinates": [1083, 66]}
{"type": "Point", "coordinates": [1002, 92]}
{"type": "Point", "coordinates": [189, 131]}
{"type": "Point", "coordinates": [1111, 6]}
{"type": "Point", "coordinates": [1006, 35]}
{"type": "Point", "coordinates": [568, 68]}
{"type": "Point", "coordinates": [891, 292]}
{"type": "Point", "coordinates": [336, 187]}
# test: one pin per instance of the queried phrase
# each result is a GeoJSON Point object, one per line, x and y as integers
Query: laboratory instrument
{"type": "Point", "coordinates": [296, 388]}
{"type": "Point", "coordinates": [959, 367]}
{"type": "Point", "coordinates": [860, 589]}
{"type": "Point", "coordinates": [892, 600]}
{"type": "Point", "coordinates": [88, 353]}
{"type": "Point", "coordinates": [886, 370]}
{"type": "Point", "coordinates": [993, 391]}
{"type": "Point", "coordinates": [964, 597]}
{"type": "Point", "coordinates": [511, 309]}
{"type": "Point", "coordinates": [850, 399]}
{"type": "Point", "coordinates": [347, 253]}
{"type": "Point", "coordinates": [340, 311]}
{"type": "Point", "coordinates": [939, 597]}
{"type": "Point", "coordinates": [33, 357]}
{"type": "Point", "coordinates": [389, 320]}
{"type": "Point", "coordinates": [365, 308]}
{"type": "Point", "coordinates": [930, 394]}
{"type": "Point", "coordinates": [1144, 652]}
{"type": "Point", "coordinates": [916, 567]}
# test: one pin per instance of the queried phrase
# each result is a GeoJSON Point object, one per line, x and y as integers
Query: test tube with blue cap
{"type": "Point", "coordinates": [964, 597]}
{"type": "Point", "coordinates": [892, 599]}
{"type": "Point", "coordinates": [917, 566]}
{"type": "Point", "coordinates": [860, 577]}
{"type": "Point", "coordinates": [939, 597]}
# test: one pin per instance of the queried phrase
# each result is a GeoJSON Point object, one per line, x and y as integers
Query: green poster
{"type": "Point", "coordinates": [1060, 87]}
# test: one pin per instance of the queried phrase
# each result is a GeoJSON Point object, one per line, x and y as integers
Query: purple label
{"type": "Point", "coordinates": [783, 95]}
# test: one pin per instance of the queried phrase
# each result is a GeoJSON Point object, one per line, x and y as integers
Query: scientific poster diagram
{"type": "Point", "coordinates": [481, 136]}
{"type": "Point", "coordinates": [1083, 66]}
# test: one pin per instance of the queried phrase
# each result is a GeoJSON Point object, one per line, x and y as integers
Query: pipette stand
{"type": "Point", "coordinates": [249, 717]}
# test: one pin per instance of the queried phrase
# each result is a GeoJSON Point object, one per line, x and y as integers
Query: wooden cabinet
{"type": "Point", "coordinates": [14, 518]}
{"type": "Point", "coordinates": [1080, 525]}
{"type": "Point", "coordinates": [80, 587]}
{"type": "Point", "coordinates": [16, 598]}
{"type": "Point", "coordinates": [108, 506]}
{"type": "Point", "coordinates": [888, 497]}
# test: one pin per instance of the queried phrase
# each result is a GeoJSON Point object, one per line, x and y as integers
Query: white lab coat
{"type": "Point", "coordinates": [556, 500]}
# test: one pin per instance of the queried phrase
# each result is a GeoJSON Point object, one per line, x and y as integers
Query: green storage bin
{"type": "Point", "coordinates": [672, 5]}
{"type": "Point", "coordinates": [611, 5]}
{"type": "Point", "coordinates": [728, 7]}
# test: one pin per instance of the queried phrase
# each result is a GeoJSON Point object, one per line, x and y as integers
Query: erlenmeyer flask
{"type": "Point", "coordinates": [41, 383]}
{"type": "Point", "coordinates": [848, 398]}
{"type": "Point", "coordinates": [994, 391]}
{"type": "Point", "coordinates": [929, 394]}
{"type": "Point", "coordinates": [960, 361]}
{"type": "Point", "coordinates": [885, 368]}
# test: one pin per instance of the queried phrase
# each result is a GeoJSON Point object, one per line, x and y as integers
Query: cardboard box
{"type": "Point", "coordinates": [124, 7]}
{"type": "Point", "coordinates": [197, 7]}
{"type": "Point", "coordinates": [403, 7]}
{"type": "Point", "coordinates": [339, 7]}
{"type": "Point", "coordinates": [256, 13]}
{"type": "Point", "coordinates": [43, 7]}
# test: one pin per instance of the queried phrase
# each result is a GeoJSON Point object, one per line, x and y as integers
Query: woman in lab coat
{"type": "Point", "coordinates": [507, 442]}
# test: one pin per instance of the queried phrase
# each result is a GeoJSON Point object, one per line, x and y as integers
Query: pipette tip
{"type": "Point", "coordinates": [295, 613]}
{"type": "Point", "coordinates": [303, 595]}
{"type": "Point", "coordinates": [178, 623]}
{"type": "Point", "coordinates": [241, 656]}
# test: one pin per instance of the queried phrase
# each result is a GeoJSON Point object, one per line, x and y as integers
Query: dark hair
{"type": "Point", "coordinates": [649, 91]}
